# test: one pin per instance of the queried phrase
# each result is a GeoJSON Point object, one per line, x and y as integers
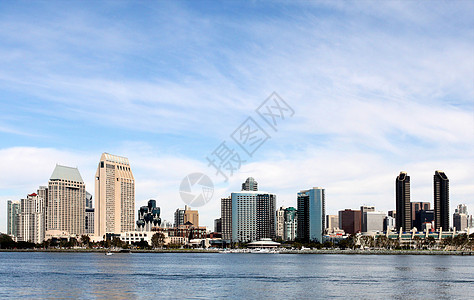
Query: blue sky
{"type": "Point", "coordinates": [376, 89]}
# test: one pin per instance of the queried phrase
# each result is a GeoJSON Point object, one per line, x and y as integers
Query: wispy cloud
{"type": "Point", "coordinates": [375, 89]}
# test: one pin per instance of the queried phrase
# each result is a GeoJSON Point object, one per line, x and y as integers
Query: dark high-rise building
{"type": "Point", "coordinates": [350, 221]}
{"type": "Point", "coordinates": [226, 218]}
{"type": "Point", "coordinates": [402, 202]}
{"type": "Point", "coordinates": [250, 185]}
{"type": "Point", "coordinates": [415, 208]}
{"type": "Point", "coordinates": [266, 207]}
{"type": "Point", "coordinates": [441, 200]}
{"type": "Point", "coordinates": [423, 216]}
{"type": "Point", "coordinates": [218, 225]}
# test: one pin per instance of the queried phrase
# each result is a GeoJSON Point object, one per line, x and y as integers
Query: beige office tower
{"type": "Point", "coordinates": [65, 206]}
{"type": "Point", "coordinates": [114, 196]}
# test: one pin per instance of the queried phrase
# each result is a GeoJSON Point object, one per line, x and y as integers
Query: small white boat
{"type": "Point", "coordinates": [108, 253]}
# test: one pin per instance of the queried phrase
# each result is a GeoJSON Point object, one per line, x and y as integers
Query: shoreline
{"type": "Point", "coordinates": [347, 252]}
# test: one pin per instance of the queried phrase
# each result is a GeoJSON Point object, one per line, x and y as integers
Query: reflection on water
{"type": "Point", "coordinates": [177, 275]}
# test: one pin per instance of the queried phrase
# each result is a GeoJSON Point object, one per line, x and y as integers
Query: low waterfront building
{"type": "Point", "coordinates": [136, 236]}
{"type": "Point", "coordinates": [263, 243]}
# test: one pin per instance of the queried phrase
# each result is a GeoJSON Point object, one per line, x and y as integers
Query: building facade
{"type": "Point", "coordinates": [291, 224]}
{"type": "Point", "coordinates": [148, 216]}
{"type": "Point", "coordinates": [191, 216]}
{"type": "Point", "coordinates": [332, 222]}
{"type": "Point", "coordinates": [114, 196]}
{"type": "Point", "coordinates": [311, 214]}
{"type": "Point", "coordinates": [31, 219]}
{"type": "Point", "coordinates": [364, 209]}
{"type": "Point", "coordinates": [388, 223]}
{"type": "Point", "coordinates": [226, 218]}
{"type": "Point", "coordinates": [250, 185]}
{"type": "Point", "coordinates": [350, 221]}
{"type": "Point", "coordinates": [460, 221]}
{"type": "Point", "coordinates": [218, 225]}
{"type": "Point", "coordinates": [280, 222]}
{"type": "Point", "coordinates": [441, 200]}
{"type": "Point", "coordinates": [178, 217]}
{"type": "Point", "coordinates": [253, 216]}
{"type": "Point", "coordinates": [402, 202]}
{"type": "Point", "coordinates": [415, 208]}
{"type": "Point", "coordinates": [65, 206]}
{"type": "Point", "coordinates": [13, 210]}
{"type": "Point", "coordinates": [89, 222]}
{"type": "Point", "coordinates": [373, 221]}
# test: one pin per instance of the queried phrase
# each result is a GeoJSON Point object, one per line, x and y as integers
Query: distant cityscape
{"type": "Point", "coordinates": [64, 210]}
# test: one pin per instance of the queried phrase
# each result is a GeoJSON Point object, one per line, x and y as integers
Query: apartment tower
{"type": "Point", "coordinates": [65, 206]}
{"type": "Point", "coordinates": [114, 196]}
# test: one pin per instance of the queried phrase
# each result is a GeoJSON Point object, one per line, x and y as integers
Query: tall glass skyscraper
{"type": "Point", "coordinates": [311, 214]}
{"type": "Point", "coordinates": [402, 202]}
{"type": "Point", "coordinates": [441, 200]}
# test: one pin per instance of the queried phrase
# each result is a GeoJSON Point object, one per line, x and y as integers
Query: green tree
{"type": "Point", "coordinates": [6, 242]}
{"type": "Point", "coordinates": [85, 240]}
{"type": "Point", "coordinates": [116, 242]}
{"type": "Point", "coordinates": [328, 245]}
{"type": "Point", "coordinates": [157, 240]}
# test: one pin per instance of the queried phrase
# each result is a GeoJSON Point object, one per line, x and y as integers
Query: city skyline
{"type": "Point", "coordinates": [373, 94]}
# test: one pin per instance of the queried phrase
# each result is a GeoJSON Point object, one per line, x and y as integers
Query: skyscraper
{"type": "Point", "coordinates": [415, 208]}
{"type": "Point", "coordinates": [178, 217]}
{"type": "Point", "coordinates": [88, 200]}
{"type": "Point", "coordinates": [350, 221]}
{"type": "Point", "coordinates": [31, 219]}
{"type": "Point", "coordinates": [364, 209]}
{"type": "Point", "coordinates": [226, 218]}
{"type": "Point", "coordinates": [250, 185]}
{"type": "Point", "coordinates": [441, 200]}
{"type": "Point", "coordinates": [191, 216]}
{"type": "Point", "coordinates": [402, 201]}
{"type": "Point", "coordinates": [332, 221]}
{"type": "Point", "coordinates": [13, 209]}
{"type": "Point", "coordinates": [311, 214]}
{"type": "Point", "coordinates": [148, 216]}
{"type": "Point", "coordinates": [291, 224]}
{"type": "Point", "coordinates": [253, 216]}
{"type": "Point", "coordinates": [65, 205]}
{"type": "Point", "coordinates": [280, 222]}
{"type": "Point", "coordinates": [114, 196]}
